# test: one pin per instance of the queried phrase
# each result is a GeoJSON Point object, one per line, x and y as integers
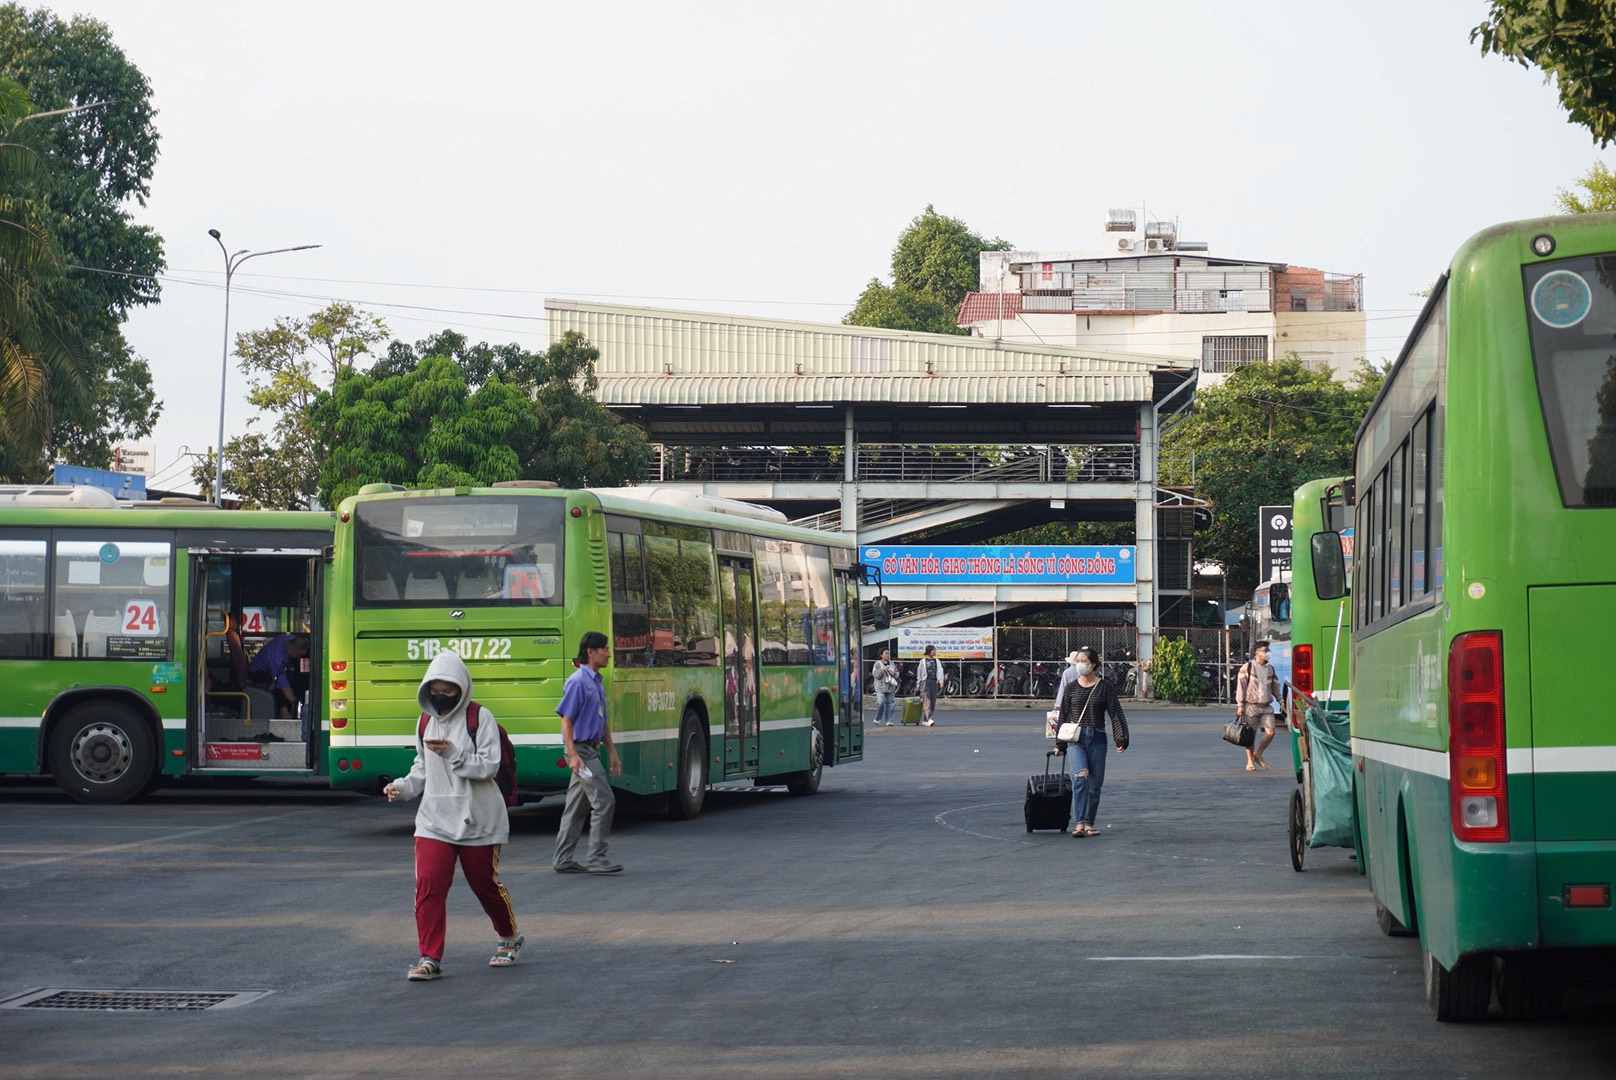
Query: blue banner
{"type": "Point", "coordinates": [924, 564]}
{"type": "Point", "coordinates": [130, 486]}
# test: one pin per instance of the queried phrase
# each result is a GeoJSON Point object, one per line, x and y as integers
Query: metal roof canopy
{"type": "Point", "coordinates": [653, 357]}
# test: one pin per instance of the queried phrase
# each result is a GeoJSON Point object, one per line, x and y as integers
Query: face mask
{"type": "Point", "coordinates": [444, 703]}
{"type": "Point", "coordinates": [1084, 667]}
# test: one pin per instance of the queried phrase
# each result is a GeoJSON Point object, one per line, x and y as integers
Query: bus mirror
{"type": "Point", "coordinates": [880, 613]}
{"type": "Point", "coordinates": [1329, 566]}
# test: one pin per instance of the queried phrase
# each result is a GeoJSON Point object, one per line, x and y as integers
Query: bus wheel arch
{"type": "Point", "coordinates": [102, 745]}
{"type": "Point", "coordinates": [691, 773]}
{"type": "Point", "coordinates": [820, 749]}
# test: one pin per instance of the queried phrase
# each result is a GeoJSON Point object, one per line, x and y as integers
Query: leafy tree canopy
{"type": "Point", "coordinates": [1572, 42]}
{"type": "Point", "coordinates": [1594, 193]}
{"type": "Point", "coordinates": [1264, 432]}
{"type": "Point", "coordinates": [934, 265]}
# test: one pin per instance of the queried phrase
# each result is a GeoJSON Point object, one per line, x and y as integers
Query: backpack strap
{"type": "Point", "coordinates": [473, 714]}
{"type": "Point", "coordinates": [420, 728]}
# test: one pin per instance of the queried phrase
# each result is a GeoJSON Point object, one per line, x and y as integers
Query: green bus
{"type": "Point", "coordinates": [1483, 595]}
{"type": "Point", "coordinates": [735, 636]}
{"type": "Point", "coordinates": [127, 633]}
{"type": "Point", "coordinates": [1321, 629]}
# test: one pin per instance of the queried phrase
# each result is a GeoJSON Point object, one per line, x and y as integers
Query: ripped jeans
{"type": "Point", "coordinates": [1088, 773]}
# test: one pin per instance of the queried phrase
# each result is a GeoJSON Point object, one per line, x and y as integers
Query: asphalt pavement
{"type": "Point", "coordinates": [899, 923]}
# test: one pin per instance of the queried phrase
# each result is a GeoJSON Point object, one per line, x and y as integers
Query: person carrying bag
{"type": "Point", "coordinates": [1084, 707]}
{"type": "Point", "coordinates": [1256, 695]}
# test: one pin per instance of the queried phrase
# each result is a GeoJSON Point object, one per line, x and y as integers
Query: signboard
{"type": "Point", "coordinates": [1273, 541]}
{"type": "Point", "coordinates": [228, 751]}
{"type": "Point", "coordinates": [1001, 565]}
{"type": "Point", "coordinates": [951, 642]}
{"type": "Point", "coordinates": [131, 486]}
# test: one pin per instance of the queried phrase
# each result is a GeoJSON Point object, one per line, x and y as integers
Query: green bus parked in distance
{"type": "Point", "coordinates": [735, 636]}
{"type": "Point", "coordinates": [1484, 596]}
{"type": "Point", "coordinates": [1320, 656]}
{"type": "Point", "coordinates": [126, 635]}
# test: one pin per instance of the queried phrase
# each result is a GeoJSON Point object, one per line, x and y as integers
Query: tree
{"type": "Point", "coordinates": [28, 259]}
{"type": "Point", "coordinates": [1598, 194]}
{"type": "Point", "coordinates": [287, 365]}
{"type": "Point", "coordinates": [1572, 42]}
{"type": "Point", "coordinates": [427, 423]}
{"type": "Point", "coordinates": [934, 264]}
{"type": "Point", "coordinates": [1268, 429]}
{"type": "Point", "coordinates": [92, 163]}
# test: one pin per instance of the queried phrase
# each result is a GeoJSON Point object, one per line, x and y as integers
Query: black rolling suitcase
{"type": "Point", "coordinates": [1049, 796]}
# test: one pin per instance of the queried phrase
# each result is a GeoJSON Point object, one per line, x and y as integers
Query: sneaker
{"type": "Point", "coordinates": [569, 868]}
{"type": "Point", "coordinates": [602, 868]}
{"type": "Point", "coordinates": [425, 970]}
{"type": "Point", "coordinates": [928, 723]}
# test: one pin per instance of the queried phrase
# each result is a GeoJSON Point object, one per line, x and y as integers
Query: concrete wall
{"type": "Point", "coordinates": [1336, 340]}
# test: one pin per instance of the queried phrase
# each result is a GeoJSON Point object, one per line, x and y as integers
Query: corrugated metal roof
{"type": "Point", "coordinates": [660, 357]}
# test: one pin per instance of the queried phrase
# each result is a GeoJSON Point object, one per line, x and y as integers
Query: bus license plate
{"type": "Point", "coordinates": [465, 648]}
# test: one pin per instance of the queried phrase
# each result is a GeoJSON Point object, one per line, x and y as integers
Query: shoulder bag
{"type": "Point", "coordinates": [1070, 730]}
{"type": "Point", "coordinates": [1237, 732]}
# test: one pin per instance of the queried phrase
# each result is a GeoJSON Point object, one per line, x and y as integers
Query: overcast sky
{"type": "Point", "coordinates": [761, 159]}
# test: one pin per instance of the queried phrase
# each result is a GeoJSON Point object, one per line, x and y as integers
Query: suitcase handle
{"type": "Point", "coordinates": [1053, 753]}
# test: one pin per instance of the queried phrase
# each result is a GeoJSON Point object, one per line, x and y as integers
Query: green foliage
{"type": "Point", "coordinates": [1572, 42]}
{"type": "Point", "coordinates": [1598, 194]}
{"type": "Point", "coordinates": [427, 421]}
{"type": "Point", "coordinates": [1265, 431]}
{"type": "Point", "coordinates": [88, 167]}
{"type": "Point", "coordinates": [1174, 673]}
{"type": "Point", "coordinates": [934, 264]}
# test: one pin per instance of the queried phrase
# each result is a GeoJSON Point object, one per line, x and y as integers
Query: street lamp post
{"type": "Point", "coordinates": [231, 262]}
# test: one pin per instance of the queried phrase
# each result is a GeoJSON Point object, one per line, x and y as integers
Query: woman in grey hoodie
{"type": "Point", "coordinates": [462, 816]}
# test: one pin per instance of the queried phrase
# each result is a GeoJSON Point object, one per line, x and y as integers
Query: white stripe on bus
{"type": "Point", "coordinates": [1569, 759]}
{"type": "Point", "coordinates": [1413, 758]}
{"type": "Point", "coordinates": [34, 722]}
{"type": "Point", "coordinates": [649, 735]}
{"type": "Point", "coordinates": [1521, 760]}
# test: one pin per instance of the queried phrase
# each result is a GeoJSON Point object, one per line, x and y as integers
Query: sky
{"type": "Point", "coordinates": [761, 158]}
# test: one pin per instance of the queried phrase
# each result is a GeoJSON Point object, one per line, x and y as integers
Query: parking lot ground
{"type": "Point", "coordinates": [899, 923]}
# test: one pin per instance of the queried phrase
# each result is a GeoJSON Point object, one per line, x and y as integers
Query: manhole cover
{"type": "Point", "coordinates": [82, 999]}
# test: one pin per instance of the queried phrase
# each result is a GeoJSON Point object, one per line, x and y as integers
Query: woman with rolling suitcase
{"type": "Point", "coordinates": [1084, 706]}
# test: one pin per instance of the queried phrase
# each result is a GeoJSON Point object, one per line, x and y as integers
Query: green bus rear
{"type": "Point", "coordinates": [1321, 630]}
{"type": "Point", "coordinates": [1484, 589]}
{"type": "Point", "coordinates": [735, 637]}
{"type": "Point", "coordinates": [126, 635]}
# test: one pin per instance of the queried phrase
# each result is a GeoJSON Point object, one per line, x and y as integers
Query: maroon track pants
{"type": "Point", "coordinates": [434, 874]}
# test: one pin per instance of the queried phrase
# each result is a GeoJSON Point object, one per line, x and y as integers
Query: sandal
{"type": "Point", "coordinates": [1251, 766]}
{"type": "Point", "coordinates": [425, 970]}
{"type": "Point", "coordinates": [1078, 831]}
{"type": "Point", "coordinates": [507, 951]}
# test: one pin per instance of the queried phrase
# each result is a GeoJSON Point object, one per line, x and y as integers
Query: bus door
{"type": "Point", "coordinates": [740, 666]}
{"type": "Point", "coordinates": [849, 670]}
{"type": "Point", "coordinates": [243, 602]}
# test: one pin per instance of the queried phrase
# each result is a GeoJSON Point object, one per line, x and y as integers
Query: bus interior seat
{"type": "Point", "coordinates": [96, 629]}
{"type": "Point", "coordinates": [66, 634]}
{"type": "Point", "coordinates": [478, 586]}
{"type": "Point", "coordinates": [383, 589]}
{"type": "Point", "coordinates": [426, 588]}
{"type": "Point", "coordinates": [260, 705]}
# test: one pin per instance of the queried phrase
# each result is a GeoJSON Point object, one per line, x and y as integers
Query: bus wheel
{"type": "Point", "coordinates": [690, 791]}
{"type": "Point", "coordinates": [1462, 994]}
{"type": "Point", "coordinates": [102, 752]}
{"type": "Point", "coordinates": [806, 783]}
{"type": "Point", "coordinates": [1526, 991]}
{"type": "Point", "coordinates": [1388, 922]}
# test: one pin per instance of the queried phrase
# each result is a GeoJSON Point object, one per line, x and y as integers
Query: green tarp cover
{"type": "Point", "coordinates": [1330, 751]}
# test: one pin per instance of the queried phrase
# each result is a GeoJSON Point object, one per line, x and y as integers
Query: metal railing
{"type": "Point", "coordinates": [899, 462]}
{"type": "Point", "coordinates": [672, 464]}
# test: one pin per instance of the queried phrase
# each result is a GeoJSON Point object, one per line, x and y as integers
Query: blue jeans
{"type": "Point", "coordinates": [1088, 773]}
{"type": "Point", "coordinates": [885, 706]}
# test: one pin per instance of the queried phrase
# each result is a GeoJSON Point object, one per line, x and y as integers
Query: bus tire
{"type": "Point", "coordinates": [690, 784]}
{"type": "Point", "coordinates": [1460, 995]}
{"type": "Point", "coordinates": [1388, 922]}
{"type": "Point", "coordinates": [807, 782]}
{"type": "Point", "coordinates": [102, 752]}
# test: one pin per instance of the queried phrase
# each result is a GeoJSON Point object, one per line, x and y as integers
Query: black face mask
{"type": "Point", "coordinates": [443, 703]}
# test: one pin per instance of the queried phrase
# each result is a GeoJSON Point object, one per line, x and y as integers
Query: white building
{"type": "Point", "coordinates": [1140, 289]}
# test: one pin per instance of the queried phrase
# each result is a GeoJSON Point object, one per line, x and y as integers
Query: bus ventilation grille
{"type": "Point", "coordinates": [79, 999]}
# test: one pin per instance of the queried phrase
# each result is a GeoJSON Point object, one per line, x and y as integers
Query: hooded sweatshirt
{"type": "Point", "coordinates": [460, 802]}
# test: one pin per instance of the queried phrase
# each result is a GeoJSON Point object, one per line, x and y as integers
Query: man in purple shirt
{"type": "Point", "coordinates": [277, 668]}
{"type": "Point", "coordinates": [584, 730]}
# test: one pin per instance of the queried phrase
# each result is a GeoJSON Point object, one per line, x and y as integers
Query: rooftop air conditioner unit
{"type": "Point", "coordinates": [1124, 244]}
{"type": "Point", "coordinates": [1154, 244]}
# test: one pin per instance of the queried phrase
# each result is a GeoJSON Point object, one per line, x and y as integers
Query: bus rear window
{"type": "Point", "coordinates": [1571, 309]}
{"type": "Point", "coordinates": [459, 552]}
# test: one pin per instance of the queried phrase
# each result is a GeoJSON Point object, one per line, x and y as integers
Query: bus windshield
{"type": "Point", "coordinates": [1572, 311]}
{"type": "Point", "coordinates": [461, 552]}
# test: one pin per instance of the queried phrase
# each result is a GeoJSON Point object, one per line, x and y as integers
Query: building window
{"type": "Point", "coordinates": [1222, 353]}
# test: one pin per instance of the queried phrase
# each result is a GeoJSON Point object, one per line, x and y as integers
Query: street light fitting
{"type": "Point", "coordinates": [214, 233]}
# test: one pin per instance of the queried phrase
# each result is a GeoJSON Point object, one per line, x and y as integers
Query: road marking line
{"type": "Point", "coordinates": [1211, 956]}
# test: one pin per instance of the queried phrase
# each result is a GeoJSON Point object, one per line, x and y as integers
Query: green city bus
{"type": "Point", "coordinates": [1321, 629]}
{"type": "Point", "coordinates": [126, 633]}
{"type": "Point", "coordinates": [735, 636]}
{"type": "Point", "coordinates": [1484, 591]}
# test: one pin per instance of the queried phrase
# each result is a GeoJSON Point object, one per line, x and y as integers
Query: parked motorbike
{"type": "Point", "coordinates": [1046, 679]}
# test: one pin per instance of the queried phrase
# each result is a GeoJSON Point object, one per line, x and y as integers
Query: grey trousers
{"type": "Point", "coordinates": [592, 798]}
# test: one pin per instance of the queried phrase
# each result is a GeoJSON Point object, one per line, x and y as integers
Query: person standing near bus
{"type": "Point", "coordinates": [462, 816]}
{"type": "Point", "coordinates": [1256, 695]}
{"type": "Point", "coordinates": [584, 730]}
{"type": "Point", "coordinates": [884, 677]}
{"type": "Point", "coordinates": [930, 681]}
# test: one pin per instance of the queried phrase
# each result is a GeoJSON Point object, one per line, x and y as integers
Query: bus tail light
{"type": "Point", "coordinates": [1595, 896]}
{"type": "Point", "coordinates": [339, 665]}
{"type": "Point", "coordinates": [1478, 782]}
{"type": "Point", "coordinates": [1302, 668]}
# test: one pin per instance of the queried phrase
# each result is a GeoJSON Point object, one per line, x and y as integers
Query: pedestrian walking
{"type": "Point", "coordinates": [584, 730]}
{"type": "Point", "coordinates": [1257, 695]}
{"type": "Point", "coordinates": [462, 816]}
{"type": "Point", "coordinates": [930, 680]}
{"type": "Point", "coordinates": [1088, 700]}
{"type": "Point", "coordinates": [884, 677]}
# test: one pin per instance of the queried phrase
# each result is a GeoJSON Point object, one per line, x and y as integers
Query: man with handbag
{"type": "Point", "coordinates": [1257, 696]}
